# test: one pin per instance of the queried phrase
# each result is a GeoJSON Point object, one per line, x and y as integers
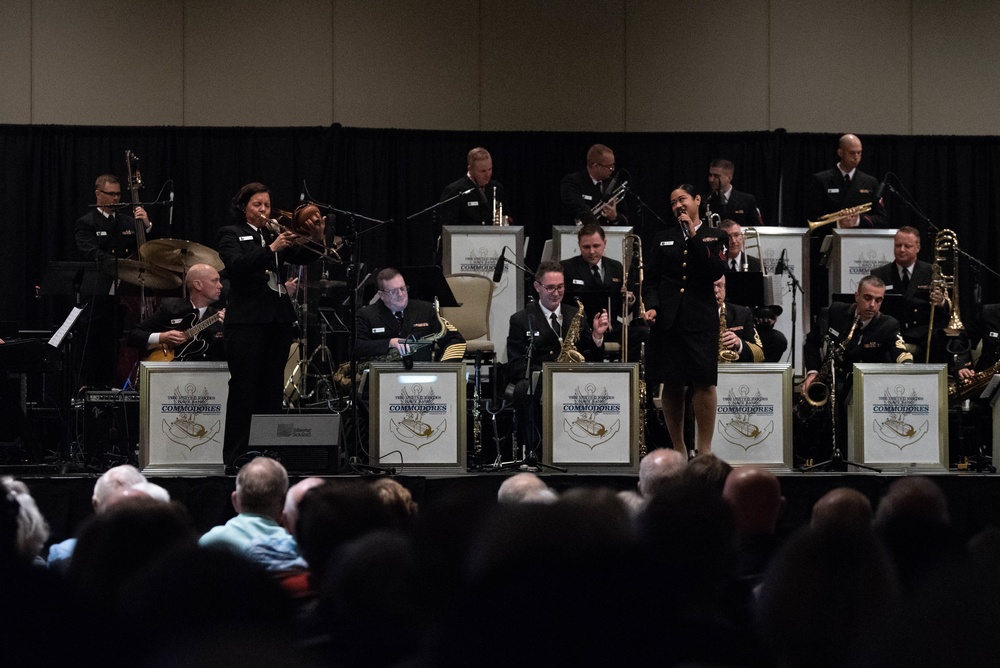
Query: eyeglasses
{"type": "Point", "coordinates": [554, 288]}
{"type": "Point", "coordinates": [111, 193]}
{"type": "Point", "coordinates": [395, 292]}
{"type": "Point", "coordinates": [610, 167]}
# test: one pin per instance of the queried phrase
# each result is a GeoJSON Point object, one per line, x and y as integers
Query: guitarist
{"type": "Point", "coordinates": [164, 333]}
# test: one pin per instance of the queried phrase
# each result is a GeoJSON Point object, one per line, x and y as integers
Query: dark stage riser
{"type": "Point", "coordinates": [65, 500]}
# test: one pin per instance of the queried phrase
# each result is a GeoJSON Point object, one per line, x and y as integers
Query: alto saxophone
{"type": "Point", "coordinates": [818, 392]}
{"type": "Point", "coordinates": [966, 388]}
{"type": "Point", "coordinates": [568, 351]}
{"type": "Point", "coordinates": [726, 356]}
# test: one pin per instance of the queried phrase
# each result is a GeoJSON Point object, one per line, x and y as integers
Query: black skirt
{"type": "Point", "coordinates": [675, 357]}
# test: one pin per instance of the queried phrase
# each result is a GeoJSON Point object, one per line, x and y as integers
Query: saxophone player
{"type": "Point", "coordinates": [740, 335]}
{"type": "Point", "coordinates": [395, 322]}
{"type": "Point", "coordinates": [546, 323]}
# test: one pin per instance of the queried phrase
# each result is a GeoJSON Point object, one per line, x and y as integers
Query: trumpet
{"type": "Point", "coordinates": [277, 226]}
{"type": "Point", "coordinates": [498, 219]}
{"type": "Point", "coordinates": [837, 215]}
{"type": "Point", "coordinates": [616, 196]}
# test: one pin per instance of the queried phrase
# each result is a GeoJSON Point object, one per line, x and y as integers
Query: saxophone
{"type": "Point", "coordinates": [455, 351]}
{"type": "Point", "coordinates": [568, 351]}
{"type": "Point", "coordinates": [818, 392]}
{"type": "Point", "coordinates": [967, 388]}
{"type": "Point", "coordinates": [726, 356]}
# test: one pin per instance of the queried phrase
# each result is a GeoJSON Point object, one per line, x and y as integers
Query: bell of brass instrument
{"type": "Point", "coordinates": [818, 393]}
{"type": "Point", "coordinates": [726, 356]}
{"type": "Point", "coordinates": [283, 223]}
{"type": "Point", "coordinates": [568, 351]}
{"type": "Point", "coordinates": [498, 218]}
{"type": "Point", "coordinates": [837, 215]}
{"type": "Point", "coordinates": [713, 219]}
{"type": "Point", "coordinates": [631, 253]}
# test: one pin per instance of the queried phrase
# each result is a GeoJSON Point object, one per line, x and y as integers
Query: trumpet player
{"type": "Point", "coordinates": [591, 273]}
{"type": "Point", "coordinates": [725, 201]}
{"type": "Point", "coordinates": [586, 195]}
{"type": "Point", "coordinates": [844, 186]}
{"type": "Point", "coordinates": [476, 206]}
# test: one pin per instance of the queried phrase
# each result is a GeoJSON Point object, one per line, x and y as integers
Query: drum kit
{"type": "Point", "coordinates": [162, 261]}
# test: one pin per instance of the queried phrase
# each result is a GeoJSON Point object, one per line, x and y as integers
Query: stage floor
{"type": "Point", "coordinates": [65, 499]}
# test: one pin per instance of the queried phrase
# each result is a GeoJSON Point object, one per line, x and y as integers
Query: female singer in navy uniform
{"type": "Point", "coordinates": [679, 296]}
{"type": "Point", "coordinates": [259, 316]}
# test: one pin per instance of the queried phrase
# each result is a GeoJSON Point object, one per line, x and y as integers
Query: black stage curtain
{"type": "Point", "coordinates": [48, 174]}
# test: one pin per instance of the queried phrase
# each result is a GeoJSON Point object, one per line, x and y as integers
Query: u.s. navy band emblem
{"type": "Point", "coordinates": [746, 427]}
{"type": "Point", "coordinates": [192, 424]}
{"type": "Point", "coordinates": [593, 424]}
{"type": "Point", "coordinates": [902, 414]}
{"type": "Point", "coordinates": [415, 414]}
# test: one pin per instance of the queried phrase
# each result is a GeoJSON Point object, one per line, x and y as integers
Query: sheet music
{"type": "Point", "coordinates": [992, 385]}
{"type": "Point", "coordinates": [67, 325]}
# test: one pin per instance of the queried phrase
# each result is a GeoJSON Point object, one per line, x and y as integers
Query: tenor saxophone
{"type": "Point", "coordinates": [568, 351]}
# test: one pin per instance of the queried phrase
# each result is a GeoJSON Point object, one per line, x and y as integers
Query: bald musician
{"type": "Point", "coordinates": [166, 328]}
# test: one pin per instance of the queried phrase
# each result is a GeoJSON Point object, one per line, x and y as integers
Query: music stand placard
{"type": "Point", "coordinates": [590, 416]}
{"type": "Point", "coordinates": [469, 249]}
{"type": "Point", "coordinates": [795, 243]}
{"type": "Point", "coordinates": [855, 254]}
{"type": "Point", "coordinates": [417, 417]}
{"type": "Point", "coordinates": [898, 417]}
{"type": "Point", "coordinates": [182, 417]}
{"type": "Point", "coordinates": [565, 245]}
{"type": "Point", "coordinates": [753, 415]}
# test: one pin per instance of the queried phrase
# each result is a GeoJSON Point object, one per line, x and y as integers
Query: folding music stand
{"type": "Point", "coordinates": [84, 279]}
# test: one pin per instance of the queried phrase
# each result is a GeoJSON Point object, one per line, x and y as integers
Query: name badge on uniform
{"type": "Point", "coordinates": [530, 333]}
{"type": "Point", "coordinates": [175, 321]}
{"type": "Point", "coordinates": [378, 330]}
{"type": "Point", "coordinates": [995, 335]}
{"type": "Point", "coordinates": [832, 191]}
{"type": "Point", "coordinates": [588, 197]}
{"type": "Point", "coordinates": [102, 233]}
{"type": "Point", "coordinates": [888, 287]}
{"type": "Point", "coordinates": [666, 243]}
{"type": "Point", "coordinates": [249, 237]}
{"type": "Point", "coordinates": [420, 324]}
{"type": "Point", "coordinates": [474, 202]}
{"type": "Point", "coordinates": [577, 281]}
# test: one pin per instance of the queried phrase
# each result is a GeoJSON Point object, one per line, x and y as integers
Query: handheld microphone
{"type": "Point", "coordinates": [498, 269]}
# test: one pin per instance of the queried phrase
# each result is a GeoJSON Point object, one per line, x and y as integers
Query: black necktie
{"type": "Point", "coordinates": [905, 282]}
{"type": "Point", "coordinates": [399, 320]}
{"type": "Point", "coordinates": [597, 273]}
{"type": "Point", "coordinates": [554, 321]}
{"type": "Point", "coordinates": [847, 180]}
{"type": "Point", "coordinates": [732, 263]}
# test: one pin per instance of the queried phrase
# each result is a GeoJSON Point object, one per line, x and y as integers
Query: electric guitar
{"type": "Point", "coordinates": [191, 347]}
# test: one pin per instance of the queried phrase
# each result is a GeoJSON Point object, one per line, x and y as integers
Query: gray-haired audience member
{"type": "Point", "coordinates": [108, 489]}
{"type": "Point", "coordinates": [32, 529]}
{"type": "Point", "coordinates": [659, 464]}
{"type": "Point", "coordinates": [255, 532]}
{"type": "Point", "coordinates": [843, 506]}
{"type": "Point", "coordinates": [290, 515]}
{"type": "Point", "coordinates": [525, 488]}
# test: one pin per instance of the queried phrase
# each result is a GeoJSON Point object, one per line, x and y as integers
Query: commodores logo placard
{"type": "Point", "coordinates": [193, 425]}
{"type": "Point", "coordinates": [420, 411]}
{"type": "Point", "coordinates": [745, 427]}
{"type": "Point", "coordinates": [902, 412]}
{"type": "Point", "coordinates": [593, 424]}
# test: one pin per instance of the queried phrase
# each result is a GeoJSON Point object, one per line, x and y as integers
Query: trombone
{"type": "Point", "coordinates": [837, 215]}
{"type": "Point", "coordinates": [277, 226]}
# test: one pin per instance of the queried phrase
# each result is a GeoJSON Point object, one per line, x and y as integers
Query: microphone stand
{"type": "Point", "coordinates": [796, 288]}
{"type": "Point", "coordinates": [437, 228]}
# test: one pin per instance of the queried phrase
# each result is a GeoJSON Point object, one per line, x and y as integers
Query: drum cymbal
{"type": "Point", "coordinates": [145, 274]}
{"type": "Point", "coordinates": [179, 254]}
